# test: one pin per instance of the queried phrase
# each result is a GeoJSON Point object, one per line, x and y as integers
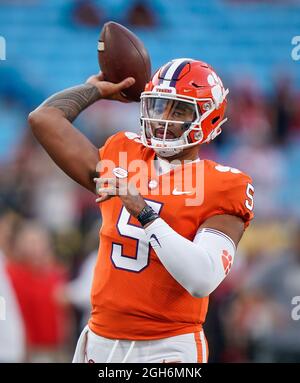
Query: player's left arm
{"type": "Point", "coordinates": [202, 264]}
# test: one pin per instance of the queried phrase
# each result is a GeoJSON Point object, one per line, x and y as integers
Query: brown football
{"type": "Point", "coordinates": [122, 54]}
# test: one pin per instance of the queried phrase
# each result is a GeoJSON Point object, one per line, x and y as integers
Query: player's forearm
{"type": "Point", "coordinates": [198, 267]}
{"type": "Point", "coordinates": [66, 145]}
{"type": "Point", "coordinates": [73, 101]}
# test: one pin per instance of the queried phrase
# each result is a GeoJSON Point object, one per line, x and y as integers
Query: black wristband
{"type": "Point", "coordinates": [147, 215]}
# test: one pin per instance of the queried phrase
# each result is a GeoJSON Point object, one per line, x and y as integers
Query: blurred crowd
{"type": "Point", "coordinates": [90, 14]}
{"type": "Point", "coordinates": [49, 225]}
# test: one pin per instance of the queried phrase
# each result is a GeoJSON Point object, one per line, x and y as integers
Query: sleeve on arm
{"type": "Point", "coordinates": [121, 141]}
{"type": "Point", "coordinates": [198, 266]}
{"type": "Point", "coordinates": [236, 196]}
{"type": "Point", "coordinates": [107, 144]}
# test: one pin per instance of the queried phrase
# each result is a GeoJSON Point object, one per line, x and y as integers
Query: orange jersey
{"type": "Point", "coordinates": [133, 295]}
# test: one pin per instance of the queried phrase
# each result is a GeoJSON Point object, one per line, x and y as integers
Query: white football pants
{"type": "Point", "coordinates": [185, 348]}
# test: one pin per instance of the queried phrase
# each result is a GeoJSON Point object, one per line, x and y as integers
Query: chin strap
{"type": "Point", "coordinates": [169, 149]}
{"type": "Point", "coordinates": [166, 152]}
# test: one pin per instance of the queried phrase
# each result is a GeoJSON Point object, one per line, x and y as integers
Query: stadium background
{"type": "Point", "coordinates": [48, 224]}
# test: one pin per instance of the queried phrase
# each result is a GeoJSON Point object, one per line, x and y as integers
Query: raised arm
{"type": "Point", "coordinates": [51, 124]}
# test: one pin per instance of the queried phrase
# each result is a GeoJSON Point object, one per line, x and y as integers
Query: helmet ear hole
{"type": "Point", "coordinates": [215, 119]}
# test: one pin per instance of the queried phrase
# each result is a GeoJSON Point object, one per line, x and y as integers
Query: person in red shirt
{"type": "Point", "coordinates": [36, 278]}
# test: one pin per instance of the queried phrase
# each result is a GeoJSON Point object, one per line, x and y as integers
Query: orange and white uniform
{"type": "Point", "coordinates": [133, 296]}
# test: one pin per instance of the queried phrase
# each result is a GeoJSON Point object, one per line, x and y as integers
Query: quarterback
{"type": "Point", "coordinates": [165, 245]}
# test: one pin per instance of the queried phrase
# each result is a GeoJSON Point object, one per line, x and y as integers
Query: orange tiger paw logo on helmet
{"type": "Point", "coordinates": [227, 261]}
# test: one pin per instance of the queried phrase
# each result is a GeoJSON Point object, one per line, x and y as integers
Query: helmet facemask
{"type": "Point", "coordinates": [168, 121]}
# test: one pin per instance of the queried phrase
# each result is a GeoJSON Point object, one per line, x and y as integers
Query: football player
{"type": "Point", "coordinates": [159, 256]}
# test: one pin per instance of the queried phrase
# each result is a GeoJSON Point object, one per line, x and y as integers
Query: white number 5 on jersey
{"type": "Point", "coordinates": [142, 246]}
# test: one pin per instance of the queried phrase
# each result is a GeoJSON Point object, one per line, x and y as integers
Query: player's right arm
{"type": "Point", "coordinates": [51, 124]}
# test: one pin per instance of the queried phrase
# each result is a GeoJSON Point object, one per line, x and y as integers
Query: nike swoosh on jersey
{"type": "Point", "coordinates": [156, 239]}
{"type": "Point", "coordinates": [179, 192]}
